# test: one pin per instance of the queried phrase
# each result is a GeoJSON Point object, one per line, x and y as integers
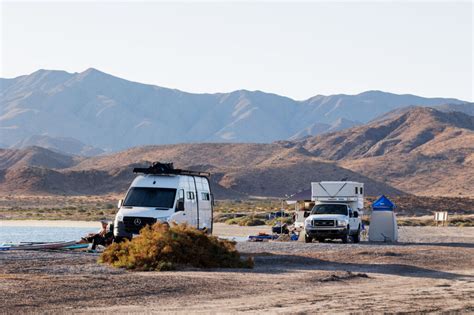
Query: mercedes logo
{"type": "Point", "coordinates": [137, 221]}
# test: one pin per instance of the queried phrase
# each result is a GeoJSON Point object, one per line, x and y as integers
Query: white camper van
{"type": "Point", "coordinates": [336, 213]}
{"type": "Point", "coordinates": [165, 194]}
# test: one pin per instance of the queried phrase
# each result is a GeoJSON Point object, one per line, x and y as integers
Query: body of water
{"type": "Point", "coordinates": [16, 234]}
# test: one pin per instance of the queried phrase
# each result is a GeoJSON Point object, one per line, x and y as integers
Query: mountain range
{"type": "Point", "coordinates": [88, 112]}
{"type": "Point", "coordinates": [420, 151]}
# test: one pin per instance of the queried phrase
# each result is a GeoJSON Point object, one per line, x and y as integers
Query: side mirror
{"type": "Point", "coordinates": [306, 214]}
{"type": "Point", "coordinates": [356, 214]}
{"type": "Point", "coordinates": [180, 205]}
{"type": "Point", "coordinates": [120, 203]}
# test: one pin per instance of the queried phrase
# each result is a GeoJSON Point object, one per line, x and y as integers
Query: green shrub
{"type": "Point", "coordinates": [233, 221]}
{"type": "Point", "coordinates": [245, 221]}
{"type": "Point", "coordinates": [161, 247]}
{"type": "Point", "coordinates": [461, 222]}
{"type": "Point", "coordinates": [250, 221]}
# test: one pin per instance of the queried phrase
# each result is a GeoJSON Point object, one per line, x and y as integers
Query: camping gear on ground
{"type": "Point", "coordinates": [280, 228]}
{"type": "Point", "coordinates": [294, 236]}
{"type": "Point", "coordinates": [262, 237]}
{"type": "Point", "coordinates": [383, 223]}
{"type": "Point", "coordinates": [277, 214]}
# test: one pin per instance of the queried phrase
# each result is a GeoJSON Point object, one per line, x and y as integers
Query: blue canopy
{"type": "Point", "coordinates": [383, 204]}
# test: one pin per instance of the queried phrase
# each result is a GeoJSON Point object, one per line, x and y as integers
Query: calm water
{"type": "Point", "coordinates": [16, 234]}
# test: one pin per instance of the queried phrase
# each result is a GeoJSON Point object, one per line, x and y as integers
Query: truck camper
{"type": "Point", "coordinates": [162, 193]}
{"type": "Point", "coordinates": [336, 212]}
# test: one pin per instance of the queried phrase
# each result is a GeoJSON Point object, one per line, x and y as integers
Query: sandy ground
{"type": "Point", "coordinates": [430, 270]}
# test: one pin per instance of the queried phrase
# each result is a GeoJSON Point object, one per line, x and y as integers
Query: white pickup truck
{"type": "Point", "coordinates": [336, 213]}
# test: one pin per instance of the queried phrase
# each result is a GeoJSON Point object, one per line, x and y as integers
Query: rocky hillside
{"type": "Point", "coordinates": [414, 131]}
{"type": "Point", "coordinates": [239, 171]}
{"type": "Point", "coordinates": [421, 151]}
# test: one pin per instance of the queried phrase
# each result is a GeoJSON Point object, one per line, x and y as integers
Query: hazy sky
{"type": "Point", "coordinates": [294, 49]}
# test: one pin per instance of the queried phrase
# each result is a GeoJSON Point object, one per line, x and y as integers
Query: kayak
{"type": "Point", "coordinates": [36, 246]}
{"type": "Point", "coordinates": [76, 246]}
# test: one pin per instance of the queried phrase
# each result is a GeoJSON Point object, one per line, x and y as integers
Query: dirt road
{"type": "Point", "coordinates": [430, 271]}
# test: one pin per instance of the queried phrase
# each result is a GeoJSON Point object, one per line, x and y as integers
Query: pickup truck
{"type": "Point", "coordinates": [332, 221]}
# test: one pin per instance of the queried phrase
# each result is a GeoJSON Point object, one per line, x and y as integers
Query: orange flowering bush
{"type": "Point", "coordinates": [162, 247]}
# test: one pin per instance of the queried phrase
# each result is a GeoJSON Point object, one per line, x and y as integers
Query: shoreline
{"type": "Point", "coordinates": [220, 229]}
{"type": "Point", "coordinates": [49, 223]}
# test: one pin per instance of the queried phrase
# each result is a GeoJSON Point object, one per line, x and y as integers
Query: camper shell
{"type": "Point", "coordinates": [336, 211]}
{"type": "Point", "coordinates": [164, 194]}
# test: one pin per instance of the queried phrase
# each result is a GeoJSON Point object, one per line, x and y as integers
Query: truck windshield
{"type": "Point", "coordinates": [150, 197]}
{"type": "Point", "coordinates": [329, 209]}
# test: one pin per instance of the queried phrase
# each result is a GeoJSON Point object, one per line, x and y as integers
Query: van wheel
{"type": "Point", "coordinates": [308, 239]}
{"type": "Point", "coordinates": [356, 237]}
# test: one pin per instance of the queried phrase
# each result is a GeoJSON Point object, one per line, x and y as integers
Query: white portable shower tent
{"type": "Point", "coordinates": [383, 223]}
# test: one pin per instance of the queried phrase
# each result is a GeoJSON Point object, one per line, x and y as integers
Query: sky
{"type": "Point", "coordinates": [294, 49]}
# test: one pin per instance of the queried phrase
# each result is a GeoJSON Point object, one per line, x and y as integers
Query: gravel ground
{"type": "Point", "coordinates": [430, 270]}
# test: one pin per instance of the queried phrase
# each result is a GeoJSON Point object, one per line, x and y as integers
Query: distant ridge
{"type": "Point", "coordinates": [110, 113]}
{"type": "Point", "coordinates": [59, 144]}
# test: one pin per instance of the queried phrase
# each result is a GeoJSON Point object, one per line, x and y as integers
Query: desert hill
{"type": "Point", "coordinates": [238, 171]}
{"type": "Point", "coordinates": [36, 156]}
{"type": "Point", "coordinates": [111, 113]}
{"type": "Point", "coordinates": [416, 130]}
{"type": "Point", "coordinates": [59, 144]}
{"type": "Point", "coordinates": [420, 151]}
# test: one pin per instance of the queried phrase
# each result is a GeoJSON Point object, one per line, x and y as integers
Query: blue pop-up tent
{"type": "Point", "coordinates": [383, 223]}
{"type": "Point", "coordinates": [383, 204]}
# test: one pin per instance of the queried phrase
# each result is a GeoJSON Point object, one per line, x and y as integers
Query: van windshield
{"type": "Point", "coordinates": [150, 197]}
{"type": "Point", "coordinates": [329, 209]}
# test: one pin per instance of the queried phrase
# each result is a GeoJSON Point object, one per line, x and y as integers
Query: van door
{"type": "Point", "coordinates": [179, 216]}
{"type": "Point", "coordinates": [191, 208]}
{"type": "Point", "coordinates": [205, 210]}
{"type": "Point", "coordinates": [353, 222]}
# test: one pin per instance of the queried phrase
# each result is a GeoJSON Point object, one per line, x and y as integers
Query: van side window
{"type": "Point", "coordinates": [190, 195]}
{"type": "Point", "coordinates": [205, 196]}
{"type": "Point", "coordinates": [357, 190]}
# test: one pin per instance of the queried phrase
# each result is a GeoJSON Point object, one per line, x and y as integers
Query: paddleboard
{"type": "Point", "coordinates": [56, 245]}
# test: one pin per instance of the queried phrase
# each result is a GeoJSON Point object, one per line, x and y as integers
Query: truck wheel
{"type": "Point", "coordinates": [345, 238]}
{"type": "Point", "coordinates": [356, 237]}
{"type": "Point", "coordinates": [308, 239]}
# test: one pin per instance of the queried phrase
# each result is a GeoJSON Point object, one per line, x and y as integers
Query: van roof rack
{"type": "Point", "coordinates": [159, 168]}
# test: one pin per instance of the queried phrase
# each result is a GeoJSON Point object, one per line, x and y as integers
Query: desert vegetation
{"type": "Point", "coordinates": [411, 210]}
{"type": "Point", "coordinates": [162, 247]}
